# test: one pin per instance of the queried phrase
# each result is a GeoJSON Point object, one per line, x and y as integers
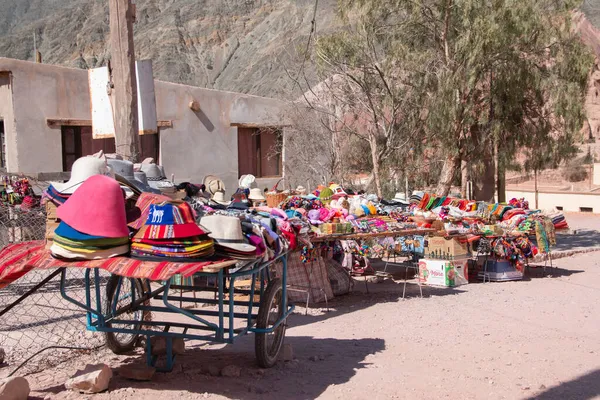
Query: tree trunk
{"type": "Point", "coordinates": [451, 166]}
{"type": "Point", "coordinates": [375, 160]}
{"type": "Point", "coordinates": [535, 175]}
{"type": "Point", "coordinates": [464, 178]}
{"type": "Point", "coordinates": [501, 183]}
{"type": "Point", "coordinates": [485, 186]}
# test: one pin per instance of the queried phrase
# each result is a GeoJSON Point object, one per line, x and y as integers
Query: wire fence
{"type": "Point", "coordinates": [44, 318]}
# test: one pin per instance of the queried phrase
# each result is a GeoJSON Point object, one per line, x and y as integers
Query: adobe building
{"type": "Point", "coordinates": [45, 124]}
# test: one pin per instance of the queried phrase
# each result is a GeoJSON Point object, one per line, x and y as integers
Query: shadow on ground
{"type": "Point", "coordinates": [583, 387]}
{"type": "Point", "coordinates": [368, 295]}
{"type": "Point", "coordinates": [538, 272]}
{"type": "Point", "coordinates": [583, 239]}
{"type": "Point", "coordinates": [306, 377]}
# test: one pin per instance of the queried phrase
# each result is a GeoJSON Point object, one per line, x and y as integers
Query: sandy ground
{"type": "Point", "coordinates": [531, 339]}
{"type": "Point", "coordinates": [536, 338]}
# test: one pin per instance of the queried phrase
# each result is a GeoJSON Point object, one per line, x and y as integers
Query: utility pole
{"type": "Point", "coordinates": [36, 53]}
{"type": "Point", "coordinates": [121, 17]}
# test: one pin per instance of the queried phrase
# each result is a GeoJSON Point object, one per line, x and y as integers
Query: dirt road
{"type": "Point", "coordinates": [535, 338]}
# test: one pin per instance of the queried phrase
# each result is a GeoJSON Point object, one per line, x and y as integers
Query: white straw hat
{"type": "Point", "coordinates": [213, 184]}
{"type": "Point", "coordinates": [256, 194]}
{"type": "Point", "coordinates": [82, 169]}
{"type": "Point", "coordinates": [219, 198]}
{"type": "Point", "coordinates": [227, 232]}
{"type": "Point", "coordinates": [247, 181]}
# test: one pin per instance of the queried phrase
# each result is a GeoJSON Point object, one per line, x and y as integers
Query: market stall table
{"type": "Point", "coordinates": [379, 235]}
{"type": "Point", "coordinates": [370, 235]}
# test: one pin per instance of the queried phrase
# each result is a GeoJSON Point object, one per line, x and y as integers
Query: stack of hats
{"type": "Point", "coordinates": [559, 221]}
{"type": "Point", "coordinates": [155, 175]}
{"type": "Point", "coordinates": [93, 222]}
{"type": "Point", "coordinates": [56, 197]}
{"type": "Point", "coordinates": [171, 234]}
{"type": "Point", "coordinates": [416, 197]}
{"type": "Point", "coordinates": [229, 238]}
{"type": "Point", "coordinates": [125, 174]}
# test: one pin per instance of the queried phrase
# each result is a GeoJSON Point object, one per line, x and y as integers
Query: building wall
{"type": "Point", "coordinates": [7, 115]}
{"type": "Point", "coordinates": [198, 144]}
{"type": "Point", "coordinates": [572, 202]}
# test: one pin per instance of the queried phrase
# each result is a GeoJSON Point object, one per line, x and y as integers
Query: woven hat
{"type": "Point", "coordinates": [170, 220]}
{"type": "Point", "coordinates": [219, 198]}
{"type": "Point", "coordinates": [227, 232]}
{"type": "Point", "coordinates": [96, 208]}
{"type": "Point", "coordinates": [82, 169]}
{"type": "Point", "coordinates": [213, 184]}
{"type": "Point", "coordinates": [256, 194]}
{"type": "Point", "coordinates": [141, 176]}
{"type": "Point", "coordinates": [125, 171]}
{"type": "Point", "coordinates": [156, 176]}
{"type": "Point", "coordinates": [399, 196]}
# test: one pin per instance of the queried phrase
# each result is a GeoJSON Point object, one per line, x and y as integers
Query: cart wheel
{"type": "Point", "coordinates": [119, 342]}
{"type": "Point", "coordinates": [268, 345]}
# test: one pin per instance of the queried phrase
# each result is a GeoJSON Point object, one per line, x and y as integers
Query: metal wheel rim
{"type": "Point", "coordinates": [125, 299]}
{"type": "Point", "coordinates": [275, 313]}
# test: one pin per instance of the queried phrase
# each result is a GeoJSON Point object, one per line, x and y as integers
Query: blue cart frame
{"type": "Point", "coordinates": [224, 331]}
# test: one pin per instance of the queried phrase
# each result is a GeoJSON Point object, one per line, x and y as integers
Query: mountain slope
{"type": "Point", "coordinates": [237, 45]}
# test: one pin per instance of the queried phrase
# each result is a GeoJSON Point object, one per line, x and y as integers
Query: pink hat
{"type": "Point", "coordinates": [96, 208]}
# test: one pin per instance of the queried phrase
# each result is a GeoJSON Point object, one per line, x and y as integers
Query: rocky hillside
{"type": "Point", "coordinates": [237, 45]}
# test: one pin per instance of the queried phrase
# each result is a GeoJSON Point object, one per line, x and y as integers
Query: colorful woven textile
{"type": "Point", "coordinates": [143, 203]}
{"type": "Point", "coordinates": [18, 259]}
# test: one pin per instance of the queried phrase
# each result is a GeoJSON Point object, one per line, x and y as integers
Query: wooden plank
{"type": "Point", "coordinates": [50, 176]}
{"type": "Point", "coordinates": [58, 122]}
{"type": "Point", "coordinates": [101, 106]}
{"type": "Point", "coordinates": [124, 79]}
{"type": "Point", "coordinates": [259, 126]}
{"type": "Point", "coordinates": [165, 124]}
{"type": "Point", "coordinates": [147, 121]}
{"type": "Point", "coordinates": [216, 267]}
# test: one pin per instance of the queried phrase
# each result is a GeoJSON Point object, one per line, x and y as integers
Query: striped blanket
{"type": "Point", "coordinates": [18, 259]}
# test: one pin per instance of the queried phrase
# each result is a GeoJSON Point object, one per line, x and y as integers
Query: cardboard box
{"type": "Point", "coordinates": [448, 247]}
{"type": "Point", "coordinates": [443, 272]}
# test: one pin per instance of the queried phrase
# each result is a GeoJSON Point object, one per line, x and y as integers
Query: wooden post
{"type": "Point", "coordinates": [535, 174]}
{"type": "Point", "coordinates": [127, 141]}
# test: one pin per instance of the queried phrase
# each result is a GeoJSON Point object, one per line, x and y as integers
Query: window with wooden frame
{"type": "Point", "coordinates": [77, 141]}
{"type": "Point", "coordinates": [259, 152]}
